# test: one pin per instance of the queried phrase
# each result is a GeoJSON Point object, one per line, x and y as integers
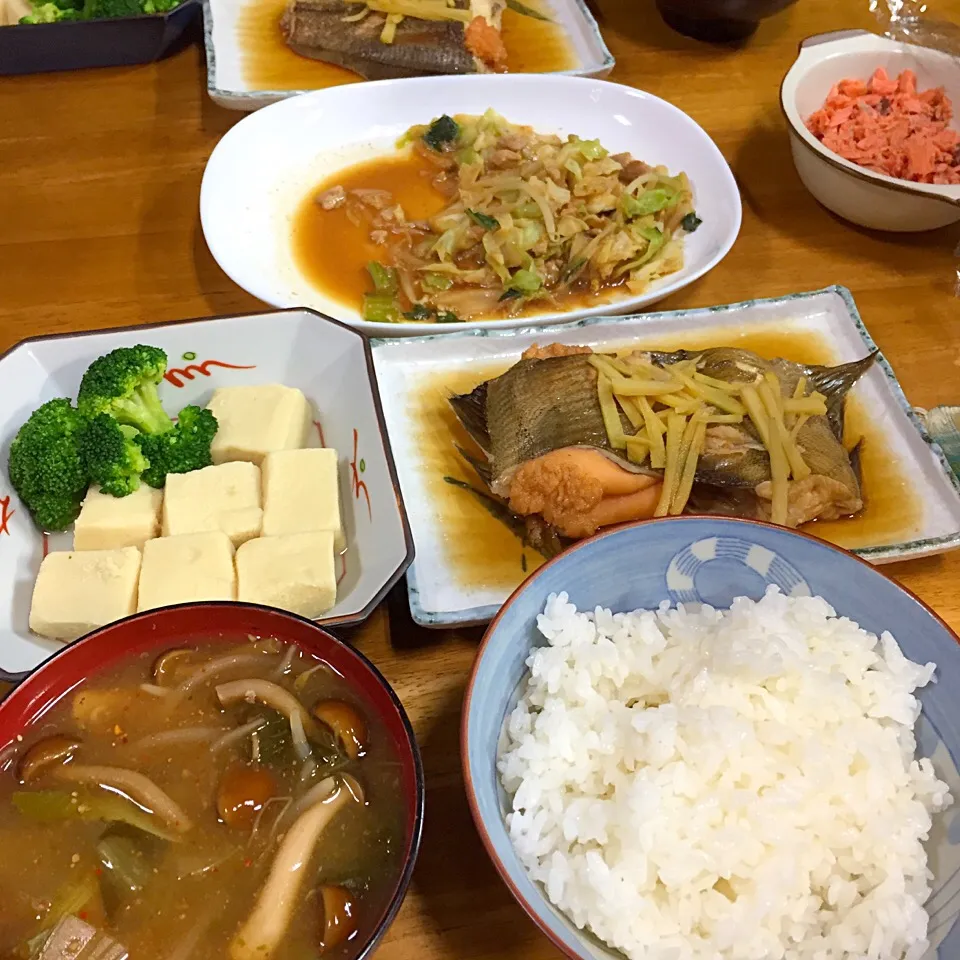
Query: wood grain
{"type": "Point", "coordinates": [99, 227]}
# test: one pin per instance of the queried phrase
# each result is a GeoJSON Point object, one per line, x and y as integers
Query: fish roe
{"type": "Point", "coordinates": [889, 126]}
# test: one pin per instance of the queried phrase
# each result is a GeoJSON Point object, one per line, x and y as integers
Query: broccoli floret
{"type": "Point", "coordinates": [123, 384]}
{"type": "Point", "coordinates": [45, 465]}
{"type": "Point", "coordinates": [160, 6]}
{"type": "Point", "coordinates": [107, 9]}
{"type": "Point", "coordinates": [110, 456]}
{"type": "Point", "coordinates": [50, 13]}
{"type": "Point", "coordinates": [184, 448]}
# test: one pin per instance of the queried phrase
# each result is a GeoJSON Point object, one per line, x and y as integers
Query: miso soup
{"type": "Point", "coordinates": [212, 802]}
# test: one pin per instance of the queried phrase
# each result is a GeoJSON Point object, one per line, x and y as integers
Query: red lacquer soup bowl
{"type": "Point", "coordinates": [231, 624]}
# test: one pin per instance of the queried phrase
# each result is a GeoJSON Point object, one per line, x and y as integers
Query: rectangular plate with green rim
{"type": "Point", "coordinates": [438, 600]}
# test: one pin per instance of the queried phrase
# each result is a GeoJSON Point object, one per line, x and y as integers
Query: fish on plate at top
{"type": "Point", "coordinates": [388, 39]}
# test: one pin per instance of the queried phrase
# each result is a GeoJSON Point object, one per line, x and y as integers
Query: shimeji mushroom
{"type": "Point", "coordinates": [242, 794]}
{"type": "Point", "coordinates": [261, 934]}
{"type": "Point", "coordinates": [339, 919]}
{"type": "Point", "coordinates": [44, 755]}
{"type": "Point", "coordinates": [346, 723]}
{"type": "Point", "coordinates": [168, 663]}
{"type": "Point", "coordinates": [53, 756]}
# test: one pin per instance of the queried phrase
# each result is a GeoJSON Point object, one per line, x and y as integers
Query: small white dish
{"type": "Point", "coordinates": [329, 362]}
{"type": "Point", "coordinates": [228, 86]}
{"type": "Point", "coordinates": [406, 367]}
{"type": "Point", "coordinates": [263, 167]}
{"type": "Point", "coordinates": [859, 195]}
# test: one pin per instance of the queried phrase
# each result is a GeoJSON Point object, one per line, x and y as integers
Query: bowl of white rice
{"type": "Point", "coordinates": [708, 739]}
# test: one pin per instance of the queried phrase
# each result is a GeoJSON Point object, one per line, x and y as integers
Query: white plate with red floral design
{"type": "Point", "coordinates": [325, 359]}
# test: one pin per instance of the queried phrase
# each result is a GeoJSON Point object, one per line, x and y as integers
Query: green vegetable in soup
{"type": "Point", "coordinates": [128, 857]}
{"type": "Point", "coordinates": [81, 804]}
{"type": "Point", "coordinates": [75, 897]}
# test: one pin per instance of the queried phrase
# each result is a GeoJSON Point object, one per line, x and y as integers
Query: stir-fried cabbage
{"type": "Point", "coordinates": [531, 218]}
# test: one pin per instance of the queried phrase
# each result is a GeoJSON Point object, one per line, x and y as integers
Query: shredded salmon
{"type": "Point", "coordinates": [486, 44]}
{"type": "Point", "coordinates": [890, 127]}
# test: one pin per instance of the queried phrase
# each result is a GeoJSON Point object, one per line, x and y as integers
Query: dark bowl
{"type": "Point", "coordinates": [76, 44]}
{"type": "Point", "coordinates": [719, 21]}
{"type": "Point", "coordinates": [227, 623]}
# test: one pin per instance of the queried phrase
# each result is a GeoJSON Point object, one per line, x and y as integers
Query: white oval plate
{"type": "Point", "coordinates": [262, 168]}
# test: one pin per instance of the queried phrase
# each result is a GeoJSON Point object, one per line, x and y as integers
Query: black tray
{"type": "Point", "coordinates": [75, 44]}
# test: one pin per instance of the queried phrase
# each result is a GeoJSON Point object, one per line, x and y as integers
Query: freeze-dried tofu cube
{"type": "Point", "coordinates": [79, 591]}
{"type": "Point", "coordinates": [255, 421]}
{"type": "Point", "coordinates": [195, 566]}
{"type": "Point", "coordinates": [301, 493]}
{"type": "Point", "coordinates": [224, 497]}
{"type": "Point", "coordinates": [107, 522]}
{"type": "Point", "coordinates": [293, 572]}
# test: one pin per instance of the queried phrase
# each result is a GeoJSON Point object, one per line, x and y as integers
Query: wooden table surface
{"type": "Point", "coordinates": [99, 179]}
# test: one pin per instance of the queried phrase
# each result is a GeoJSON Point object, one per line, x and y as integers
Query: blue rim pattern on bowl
{"type": "Point", "coordinates": [488, 813]}
{"type": "Point", "coordinates": [479, 615]}
{"type": "Point", "coordinates": [253, 99]}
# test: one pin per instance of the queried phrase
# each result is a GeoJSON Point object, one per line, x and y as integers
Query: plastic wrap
{"type": "Point", "coordinates": [912, 21]}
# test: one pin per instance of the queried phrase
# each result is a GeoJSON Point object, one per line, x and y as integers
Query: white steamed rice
{"type": "Point", "coordinates": [731, 785]}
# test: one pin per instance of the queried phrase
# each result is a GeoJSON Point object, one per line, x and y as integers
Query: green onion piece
{"type": "Point", "coordinates": [690, 222]}
{"type": "Point", "coordinates": [444, 130]}
{"type": "Point", "coordinates": [482, 219]}
{"type": "Point", "coordinates": [436, 281]}
{"type": "Point", "coordinates": [380, 308]}
{"type": "Point", "coordinates": [526, 281]}
{"type": "Point", "coordinates": [384, 278]}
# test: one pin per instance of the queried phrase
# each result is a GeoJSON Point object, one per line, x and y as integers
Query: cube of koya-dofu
{"type": "Point", "coordinates": [301, 493]}
{"type": "Point", "coordinates": [224, 497]}
{"type": "Point", "coordinates": [78, 592]}
{"type": "Point", "coordinates": [107, 522]}
{"type": "Point", "coordinates": [255, 421]}
{"type": "Point", "coordinates": [294, 573]}
{"type": "Point", "coordinates": [195, 566]}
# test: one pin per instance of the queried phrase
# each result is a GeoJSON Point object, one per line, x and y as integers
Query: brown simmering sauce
{"type": "Point", "coordinates": [481, 551]}
{"type": "Point", "coordinates": [533, 46]}
{"type": "Point", "coordinates": [331, 251]}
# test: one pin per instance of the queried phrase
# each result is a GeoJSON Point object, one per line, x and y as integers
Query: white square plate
{"type": "Point", "coordinates": [328, 361]}
{"type": "Point", "coordinates": [229, 88]}
{"type": "Point", "coordinates": [403, 366]}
